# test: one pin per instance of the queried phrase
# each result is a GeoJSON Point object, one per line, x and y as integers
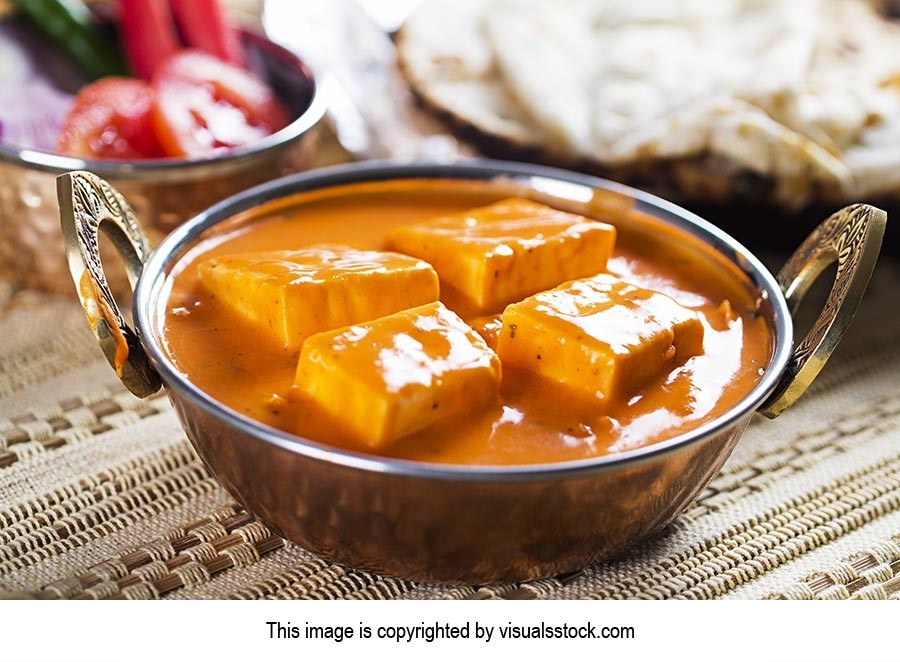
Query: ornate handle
{"type": "Point", "coordinates": [88, 204]}
{"type": "Point", "coordinates": [852, 238]}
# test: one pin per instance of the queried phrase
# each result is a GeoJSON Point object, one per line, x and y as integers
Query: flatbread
{"type": "Point", "coordinates": [804, 95]}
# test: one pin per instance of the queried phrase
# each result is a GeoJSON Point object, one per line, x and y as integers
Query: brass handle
{"type": "Point", "coordinates": [852, 238]}
{"type": "Point", "coordinates": [88, 204]}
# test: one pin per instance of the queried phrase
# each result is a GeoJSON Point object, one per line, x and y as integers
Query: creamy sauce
{"type": "Point", "coordinates": [534, 421]}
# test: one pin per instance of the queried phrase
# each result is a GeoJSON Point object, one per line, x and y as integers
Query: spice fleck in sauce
{"type": "Point", "coordinates": [535, 419]}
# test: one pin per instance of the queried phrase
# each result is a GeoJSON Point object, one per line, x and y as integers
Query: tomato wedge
{"type": "Point", "coordinates": [204, 105]}
{"type": "Point", "coordinates": [111, 119]}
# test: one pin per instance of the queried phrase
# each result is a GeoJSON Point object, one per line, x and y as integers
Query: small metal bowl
{"type": "Point", "coordinates": [165, 192]}
{"type": "Point", "coordinates": [453, 523]}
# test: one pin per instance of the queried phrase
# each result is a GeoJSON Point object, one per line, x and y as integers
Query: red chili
{"type": "Point", "coordinates": [204, 25]}
{"type": "Point", "coordinates": [148, 34]}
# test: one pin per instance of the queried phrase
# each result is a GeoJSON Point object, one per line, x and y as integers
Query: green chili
{"type": "Point", "coordinates": [69, 24]}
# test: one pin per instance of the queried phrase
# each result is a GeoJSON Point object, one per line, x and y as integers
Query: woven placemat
{"type": "Point", "coordinates": [102, 496]}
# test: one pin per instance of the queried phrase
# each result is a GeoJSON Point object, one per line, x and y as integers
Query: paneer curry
{"type": "Point", "coordinates": [462, 322]}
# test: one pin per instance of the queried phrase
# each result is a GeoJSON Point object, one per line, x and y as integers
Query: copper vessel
{"type": "Point", "coordinates": [451, 523]}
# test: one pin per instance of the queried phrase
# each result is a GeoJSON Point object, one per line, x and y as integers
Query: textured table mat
{"type": "Point", "coordinates": [102, 496]}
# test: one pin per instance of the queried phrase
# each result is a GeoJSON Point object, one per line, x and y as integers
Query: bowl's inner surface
{"type": "Point", "coordinates": [289, 78]}
{"type": "Point", "coordinates": [534, 421]}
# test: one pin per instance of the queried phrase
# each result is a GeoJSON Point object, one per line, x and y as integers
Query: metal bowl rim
{"type": "Point", "coordinates": [150, 286]}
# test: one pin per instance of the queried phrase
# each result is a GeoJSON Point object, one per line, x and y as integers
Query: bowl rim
{"type": "Point", "coordinates": [152, 285]}
{"type": "Point", "coordinates": [176, 168]}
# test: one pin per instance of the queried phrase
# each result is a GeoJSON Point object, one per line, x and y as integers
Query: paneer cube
{"type": "Point", "coordinates": [506, 251]}
{"type": "Point", "coordinates": [398, 374]}
{"type": "Point", "coordinates": [296, 293]}
{"type": "Point", "coordinates": [600, 335]}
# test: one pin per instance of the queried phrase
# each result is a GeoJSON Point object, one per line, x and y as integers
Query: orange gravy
{"type": "Point", "coordinates": [534, 421]}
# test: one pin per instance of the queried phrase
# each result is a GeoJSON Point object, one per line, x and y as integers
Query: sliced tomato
{"type": "Point", "coordinates": [111, 118]}
{"type": "Point", "coordinates": [204, 104]}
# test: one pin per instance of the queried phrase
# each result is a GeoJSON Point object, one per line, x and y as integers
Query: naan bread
{"type": "Point", "coordinates": [803, 94]}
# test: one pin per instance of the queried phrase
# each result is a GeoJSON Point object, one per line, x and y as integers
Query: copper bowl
{"type": "Point", "coordinates": [165, 192]}
{"type": "Point", "coordinates": [453, 523]}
